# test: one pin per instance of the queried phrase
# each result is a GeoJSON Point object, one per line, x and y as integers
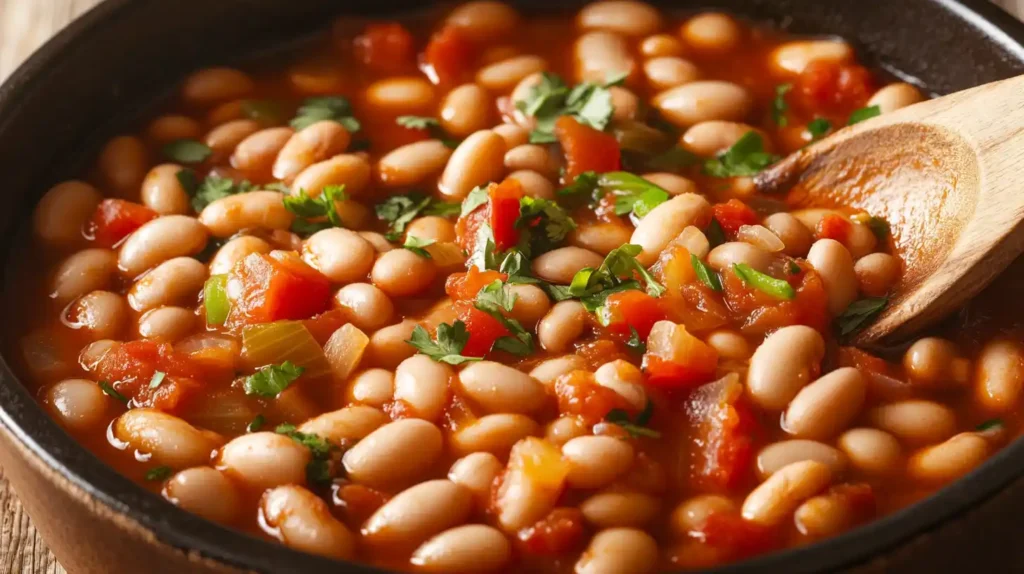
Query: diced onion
{"type": "Point", "coordinates": [760, 236]}
{"type": "Point", "coordinates": [694, 241]}
{"type": "Point", "coordinates": [446, 255]}
{"type": "Point", "coordinates": [344, 350]}
{"type": "Point", "coordinates": [280, 341]}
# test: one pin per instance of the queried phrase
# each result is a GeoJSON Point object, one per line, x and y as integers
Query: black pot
{"type": "Point", "coordinates": [125, 53]}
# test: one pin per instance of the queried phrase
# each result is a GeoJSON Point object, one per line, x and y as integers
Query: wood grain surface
{"type": "Point", "coordinates": [24, 26]}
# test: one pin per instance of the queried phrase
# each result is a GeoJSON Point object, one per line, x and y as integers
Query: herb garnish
{"type": "Point", "coordinates": [334, 108]}
{"type": "Point", "coordinates": [705, 273]}
{"type": "Point", "coordinates": [746, 157]}
{"type": "Point", "coordinates": [859, 314]}
{"type": "Point", "coordinates": [496, 299]}
{"type": "Point", "coordinates": [400, 210]}
{"type": "Point", "coordinates": [635, 426]}
{"type": "Point", "coordinates": [451, 339]}
{"type": "Point", "coordinates": [311, 211]}
{"type": "Point", "coordinates": [818, 127]}
{"type": "Point", "coordinates": [779, 106]}
{"type": "Point", "coordinates": [589, 103]}
{"type": "Point", "coordinates": [266, 112]}
{"type": "Point", "coordinates": [318, 470]}
{"type": "Point", "coordinates": [256, 424]}
{"type": "Point", "coordinates": [109, 390]}
{"type": "Point", "coordinates": [635, 343]}
{"type": "Point", "coordinates": [211, 189]}
{"type": "Point", "coordinates": [272, 379]}
{"type": "Point", "coordinates": [187, 151]}
{"type": "Point", "coordinates": [417, 244]}
{"type": "Point", "coordinates": [864, 114]}
{"type": "Point", "coordinates": [431, 126]}
{"type": "Point", "coordinates": [616, 274]}
{"type": "Point", "coordinates": [778, 288]}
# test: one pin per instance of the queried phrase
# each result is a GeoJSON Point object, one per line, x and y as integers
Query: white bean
{"type": "Point", "coordinates": [173, 281]}
{"type": "Point", "coordinates": [254, 210]}
{"type": "Point", "coordinates": [702, 101]}
{"type": "Point", "coordinates": [793, 57]}
{"type": "Point", "coordinates": [79, 404]}
{"type": "Point", "coordinates": [665, 222]}
{"type": "Point", "coordinates": [949, 460]}
{"type": "Point", "coordinates": [619, 551]}
{"type": "Point", "coordinates": [301, 520]}
{"type": "Point", "coordinates": [600, 54]}
{"type": "Point", "coordinates": [778, 496]}
{"type": "Point", "coordinates": [479, 159]}
{"type": "Point", "coordinates": [422, 385]}
{"type": "Point", "coordinates": [895, 96]}
{"type": "Point", "coordinates": [264, 460]}
{"type": "Point", "coordinates": [204, 491]}
{"type": "Point", "coordinates": [167, 323]}
{"type": "Point", "coordinates": [476, 472]}
{"type": "Point", "coordinates": [464, 549]}
{"type": "Point", "coordinates": [871, 450]}
{"type": "Point", "coordinates": [340, 254]}
{"type": "Point", "coordinates": [157, 241]}
{"type": "Point", "coordinates": [1000, 375]}
{"type": "Point", "coordinates": [917, 421]}
{"type": "Point", "coordinates": [234, 251]}
{"type": "Point", "coordinates": [596, 461]}
{"type": "Point", "coordinates": [62, 212]}
{"type": "Point", "coordinates": [164, 438]}
{"type": "Point", "coordinates": [826, 406]}
{"type": "Point", "coordinates": [85, 271]}
{"type": "Point", "coordinates": [350, 423]}
{"type": "Point", "coordinates": [723, 257]}
{"type": "Point", "coordinates": [781, 454]}
{"type": "Point", "coordinates": [502, 389]}
{"type": "Point", "coordinates": [163, 193]}
{"type": "Point", "coordinates": [613, 508]}
{"type": "Point", "coordinates": [316, 142]}
{"type": "Point", "coordinates": [102, 314]}
{"type": "Point", "coordinates": [622, 16]}
{"type": "Point", "coordinates": [786, 361]}
{"type": "Point", "coordinates": [834, 264]}
{"type": "Point", "coordinates": [418, 513]}
{"type": "Point", "coordinates": [397, 452]}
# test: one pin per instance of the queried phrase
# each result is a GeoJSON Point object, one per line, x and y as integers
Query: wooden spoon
{"type": "Point", "coordinates": [947, 174]}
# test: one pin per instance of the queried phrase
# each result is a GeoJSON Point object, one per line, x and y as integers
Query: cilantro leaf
{"type": "Point", "coordinates": [479, 196]}
{"type": "Point", "coordinates": [779, 106]}
{"type": "Point", "coordinates": [318, 469]}
{"type": "Point", "coordinates": [990, 425]}
{"type": "Point", "coordinates": [859, 314]}
{"type": "Point", "coordinates": [705, 273]}
{"type": "Point", "coordinates": [616, 274]}
{"type": "Point", "coordinates": [400, 210]}
{"type": "Point", "coordinates": [272, 379]}
{"type": "Point", "coordinates": [778, 288]}
{"type": "Point", "coordinates": [431, 126]}
{"type": "Point", "coordinates": [746, 157]}
{"type": "Point", "coordinates": [496, 299]}
{"type": "Point", "coordinates": [818, 128]}
{"type": "Point", "coordinates": [256, 424]}
{"type": "Point", "coordinates": [159, 473]}
{"type": "Point", "coordinates": [632, 192]}
{"type": "Point", "coordinates": [634, 426]}
{"type": "Point", "coordinates": [864, 114]}
{"type": "Point", "coordinates": [312, 211]}
{"type": "Point", "coordinates": [880, 227]}
{"type": "Point", "coordinates": [333, 108]}
{"type": "Point", "coordinates": [417, 244]}
{"type": "Point", "coordinates": [715, 233]}
{"type": "Point", "coordinates": [110, 391]}
{"type": "Point", "coordinates": [186, 151]}
{"type": "Point", "coordinates": [548, 216]}
{"type": "Point", "coordinates": [213, 188]}
{"type": "Point", "coordinates": [551, 98]}
{"type": "Point", "coordinates": [451, 339]}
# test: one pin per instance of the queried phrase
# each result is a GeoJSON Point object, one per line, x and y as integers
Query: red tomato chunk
{"type": "Point", "coordinates": [264, 289]}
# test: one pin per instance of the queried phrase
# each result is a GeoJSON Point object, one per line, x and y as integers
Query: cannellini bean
{"type": "Point", "coordinates": [534, 184]}
{"type": "Point", "coordinates": [793, 57]}
{"type": "Point", "coordinates": [778, 496]}
{"type": "Point", "coordinates": [301, 520]}
{"type": "Point", "coordinates": [340, 254]}
{"type": "Point", "coordinates": [1000, 375]}
{"type": "Point", "coordinates": [877, 273]}
{"type": "Point", "coordinates": [723, 257]}
{"type": "Point", "coordinates": [596, 461]}
{"type": "Point", "coordinates": [94, 352]}
{"type": "Point", "coordinates": [163, 193]}
{"type": "Point", "coordinates": [373, 387]}
{"type": "Point", "coordinates": [204, 491]}
{"type": "Point", "coordinates": [405, 94]}
{"type": "Point", "coordinates": [122, 165]}
{"type": "Point", "coordinates": [560, 265]}
{"type": "Point", "coordinates": [669, 72]}
{"type": "Point", "coordinates": [547, 371]}
{"type": "Point", "coordinates": [711, 32]}
{"type": "Point", "coordinates": [625, 379]}
{"type": "Point", "coordinates": [413, 163]}
{"type": "Point", "coordinates": [493, 433]}
{"type": "Point", "coordinates": [254, 210]}
{"type": "Point", "coordinates": [167, 323]}
{"type": "Point", "coordinates": [729, 344]}
{"type": "Point", "coordinates": [379, 242]}
{"type": "Point", "coordinates": [565, 428]}
{"type": "Point", "coordinates": [531, 157]}
{"type": "Point", "coordinates": [613, 508]}
{"type": "Point", "coordinates": [365, 306]}
{"type": "Point", "coordinates": [531, 305]}
{"type": "Point", "coordinates": [692, 513]}
{"type": "Point", "coordinates": [388, 345]}
{"type": "Point", "coordinates": [512, 135]}
{"type": "Point", "coordinates": [223, 139]}
{"type": "Point", "coordinates": [214, 85]}
{"type": "Point", "coordinates": [234, 251]}
{"type": "Point", "coordinates": [834, 264]}
{"type": "Point", "coordinates": [672, 183]}
{"type": "Point", "coordinates": [350, 423]}
{"type": "Point", "coordinates": [316, 142]}
{"type": "Point", "coordinates": [165, 439]}
{"type": "Point", "coordinates": [824, 515]}
{"type": "Point", "coordinates": [918, 421]}
{"type": "Point", "coordinates": [625, 17]}
{"type": "Point", "coordinates": [432, 227]}
{"type": "Point", "coordinates": [479, 159]}
{"type": "Point", "coordinates": [665, 222]}
{"type": "Point", "coordinates": [710, 138]}
{"type": "Point", "coordinates": [778, 455]}
{"type": "Point", "coordinates": [934, 362]}
{"type": "Point", "coordinates": [600, 54]}
{"type": "Point", "coordinates": [526, 495]}
{"type": "Point", "coordinates": [895, 96]}
{"type": "Point", "coordinates": [402, 273]}
{"type": "Point", "coordinates": [79, 404]}
{"type": "Point", "coordinates": [100, 313]}
{"type": "Point", "coordinates": [793, 233]}
{"type": "Point", "coordinates": [504, 75]}
{"type": "Point", "coordinates": [619, 550]}
{"type": "Point", "coordinates": [484, 20]}
{"type": "Point", "coordinates": [165, 129]}
{"type": "Point", "coordinates": [421, 384]}
{"type": "Point", "coordinates": [397, 452]}
{"type": "Point", "coordinates": [157, 241]}
{"type": "Point", "coordinates": [61, 214]}
{"type": "Point", "coordinates": [173, 281]}
{"type": "Point", "coordinates": [786, 361]}
{"type": "Point", "coordinates": [257, 152]}
{"type": "Point", "coordinates": [599, 237]}
{"type": "Point", "coordinates": [264, 460]}
{"type": "Point", "coordinates": [871, 450]}
{"type": "Point", "coordinates": [499, 388]}
{"type": "Point", "coordinates": [660, 46]}
{"type": "Point", "coordinates": [466, 109]}
{"type": "Point", "coordinates": [470, 548]}
{"type": "Point", "coordinates": [476, 472]}
{"type": "Point", "coordinates": [949, 460]}
{"type": "Point", "coordinates": [702, 101]}
{"type": "Point", "coordinates": [350, 170]}
{"type": "Point", "coordinates": [826, 406]}
{"type": "Point", "coordinates": [418, 513]}
{"type": "Point", "coordinates": [625, 104]}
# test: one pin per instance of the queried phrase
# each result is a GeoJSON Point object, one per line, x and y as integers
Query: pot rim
{"type": "Point", "coordinates": [25, 419]}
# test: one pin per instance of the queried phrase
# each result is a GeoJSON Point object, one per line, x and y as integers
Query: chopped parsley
{"type": "Point", "coordinates": [859, 314]}
{"type": "Point", "coordinates": [272, 379]}
{"type": "Point", "coordinates": [746, 157]}
{"type": "Point", "coordinates": [635, 343]}
{"type": "Point", "coordinates": [864, 114]}
{"type": "Point", "coordinates": [479, 196]}
{"type": "Point", "coordinates": [705, 273]}
{"type": "Point", "coordinates": [109, 390]}
{"type": "Point", "coordinates": [818, 128]}
{"type": "Point", "coordinates": [616, 274]}
{"type": "Point", "coordinates": [779, 106]}
{"type": "Point", "coordinates": [159, 473]}
{"type": "Point", "coordinates": [333, 108]}
{"type": "Point", "coordinates": [636, 427]}
{"type": "Point", "coordinates": [538, 214]}
{"type": "Point", "coordinates": [211, 189]}
{"type": "Point", "coordinates": [256, 424]}
{"type": "Point", "coordinates": [778, 288]}
{"type": "Point", "coordinates": [715, 233]}
{"type": "Point", "coordinates": [496, 299]}
{"type": "Point", "coordinates": [316, 213]}
{"type": "Point", "coordinates": [632, 193]}
{"type": "Point", "coordinates": [187, 151]}
{"type": "Point", "coordinates": [431, 126]}
{"type": "Point", "coordinates": [417, 244]}
{"type": "Point", "coordinates": [266, 112]}
{"type": "Point", "coordinates": [589, 103]}
{"type": "Point", "coordinates": [318, 470]}
{"type": "Point", "coordinates": [450, 341]}
{"type": "Point", "coordinates": [879, 226]}
{"type": "Point", "coordinates": [399, 210]}
{"type": "Point", "coordinates": [157, 380]}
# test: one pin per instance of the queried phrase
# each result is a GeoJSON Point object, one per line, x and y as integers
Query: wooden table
{"type": "Point", "coordinates": [24, 26]}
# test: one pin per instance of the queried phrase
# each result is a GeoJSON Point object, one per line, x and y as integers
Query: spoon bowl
{"type": "Point", "coordinates": [945, 174]}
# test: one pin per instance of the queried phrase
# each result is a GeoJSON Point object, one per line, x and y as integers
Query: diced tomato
{"type": "Point", "coordinates": [467, 226]}
{"type": "Point", "coordinates": [858, 497]}
{"type": "Point", "coordinates": [483, 329]}
{"type": "Point", "coordinates": [465, 286]}
{"type": "Point", "coordinates": [579, 394]}
{"type": "Point", "coordinates": [629, 310]}
{"type": "Point", "coordinates": [834, 88]}
{"type": "Point", "coordinates": [732, 215]}
{"type": "Point", "coordinates": [761, 312]}
{"type": "Point", "coordinates": [131, 366]}
{"type": "Point", "coordinates": [833, 226]}
{"type": "Point", "coordinates": [722, 430]}
{"type": "Point", "coordinates": [325, 324]}
{"type": "Point", "coordinates": [449, 55]}
{"type": "Point", "coordinates": [115, 219]}
{"type": "Point", "coordinates": [264, 289]}
{"type": "Point", "coordinates": [585, 148]}
{"type": "Point", "coordinates": [504, 206]}
{"type": "Point", "coordinates": [385, 46]}
{"type": "Point", "coordinates": [559, 532]}
{"type": "Point", "coordinates": [737, 537]}
{"type": "Point", "coordinates": [676, 360]}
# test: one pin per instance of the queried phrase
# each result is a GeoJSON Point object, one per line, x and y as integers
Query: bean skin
{"type": "Point", "coordinates": [394, 453]}
{"type": "Point", "coordinates": [418, 513]}
{"type": "Point", "coordinates": [204, 491]}
{"type": "Point", "coordinates": [464, 549]}
{"type": "Point", "coordinates": [619, 551]}
{"type": "Point", "coordinates": [785, 362]}
{"type": "Point", "coordinates": [301, 520]}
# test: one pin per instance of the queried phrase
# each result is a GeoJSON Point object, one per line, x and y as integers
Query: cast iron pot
{"type": "Point", "coordinates": [125, 53]}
